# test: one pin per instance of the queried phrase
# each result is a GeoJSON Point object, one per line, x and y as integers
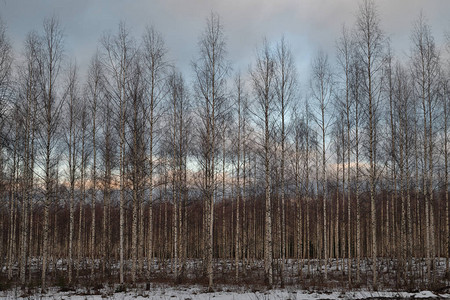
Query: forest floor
{"type": "Point", "coordinates": [221, 293]}
{"type": "Point", "coordinates": [302, 280]}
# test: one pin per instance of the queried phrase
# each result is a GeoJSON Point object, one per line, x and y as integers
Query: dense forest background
{"type": "Point", "coordinates": [135, 173]}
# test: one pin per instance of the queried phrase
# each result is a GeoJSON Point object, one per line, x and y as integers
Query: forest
{"type": "Point", "coordinates": [137, 173]}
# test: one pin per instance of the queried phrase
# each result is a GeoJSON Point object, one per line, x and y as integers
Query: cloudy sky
{"type": "Point", "coordinates": [308, 25]}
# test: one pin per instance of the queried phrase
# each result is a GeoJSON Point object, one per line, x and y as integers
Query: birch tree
{"type": "Point", "coordinates": [345, 52]}
{"type": "Point", "coordinates": [446, 99]}
{"type": "Point", "coordinates": [50, 66]}
{"type": "Point", "coordinates": [355, 89]}
{"type": "Point", "coordinates": [322, 92]}
{"type": "Point", "coordinates": [263, 81]}
{"type": "Point", "coordinates": [119, 52]}
{"type": "Point", "coordinates": [285, 86]}
{"type": "Point", "coordinates": [369, 43]}
{"type": "Point", "coordinates": [154, 52]}
{"type": "Point", "coordinates": [6, 59]}
{"type": "Point", "coordinates": [94, 88]}
{"type": "Point", "coordinates": [211, 72]}
{"type": "Point", "coordinates": [71, 95]}
{"type": "Point", "coordinates": [425, 61]}
{"type": "Point", "coordinates": [30, 91]}
{"type": "Point", "coordinates": [136, 122]}
{"type": "Point", "coordinates": [178, 103]}
{"type": "Point", "coordinates": [239, 107]}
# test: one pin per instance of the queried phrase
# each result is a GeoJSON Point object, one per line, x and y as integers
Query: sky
{"type": "Point", "coordinates": [308, 25]}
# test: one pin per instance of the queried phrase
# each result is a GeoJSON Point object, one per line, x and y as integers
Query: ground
{"type": "Point", "coordinates": [299, 284]}
{"type": "Point", "coordinates": [221, 293]}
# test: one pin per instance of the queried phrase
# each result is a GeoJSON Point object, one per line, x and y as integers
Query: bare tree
{"type": "Point", "coordinates": [93, 90]}
{"type": "Point", "coordinates": [401, 94]}
{"type": "Point", "coordinates": [262, 76]}
{"type": "Point", "coordinates": [6, 60]}
{"type": "Point", "coordinates": [447, 227]}
{"type": "Point", "coordinates": [108, 159]}
{"type": "Point", "coordinates": [50, 66]}
{"type": "Point", "coordinates": [393, 150]}
{"type": "Point", "coordinates": [211, 71]}
{"type": "Point", "coordinates": [72, 98]}
{"type": "Point", "coordinates": [355, 88]}
{"type": "Point", "coordinates": [154, 52]}
{"type": "Point", "coordinates": [239, 95]}
{"type": "Point", "coordinates": [322, 92]}
{"type": "Point", "coordinates": [446, 98]}
{"type": "Point", "coordinates": [425, 66]}
{"type": "Point", "coordinates": [345, 51]}
{"type": "Point", "coordinates": [369, 42]}
{"type": "Point", "coordinates": [13, 194]}
{"type": "Point", "coordinates": [119, 52]}
{"type": "Point", "coordinates": [29, 91]}
{"type": "Point", "coordinates": [135, 92]}
{"type": "Point", "coordinates": [286, 84]}
{"type": "Point", "coordinates": [177, 121]}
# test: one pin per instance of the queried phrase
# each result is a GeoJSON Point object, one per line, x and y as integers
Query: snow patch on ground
{"type": "Point", "coordinates": [199, 293]}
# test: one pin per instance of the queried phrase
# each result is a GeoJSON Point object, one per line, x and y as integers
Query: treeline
{"type": "Point", "coordinates": [131, 168]}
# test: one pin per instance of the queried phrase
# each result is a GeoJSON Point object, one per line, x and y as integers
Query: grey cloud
{"type": "Point", "coordinates": [308, 25]}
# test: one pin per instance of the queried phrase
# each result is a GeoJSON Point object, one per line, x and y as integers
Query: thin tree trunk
{"type": "Point", "coordinates": [237, 250]}
{"type": "Point", "coordinates": [94, 182]}
{"type": "Point", "coordinates": [358, 208]}
{"type": "Point", "coordinates": [13, 209]}
{"type": "Point", "coordinates": [447, 223]}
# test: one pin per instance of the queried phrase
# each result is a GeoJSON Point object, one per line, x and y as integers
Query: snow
{"type": "Point", "coordinates": [306, 288]}
{"type": "Point", "coordinates": [199, 293]}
